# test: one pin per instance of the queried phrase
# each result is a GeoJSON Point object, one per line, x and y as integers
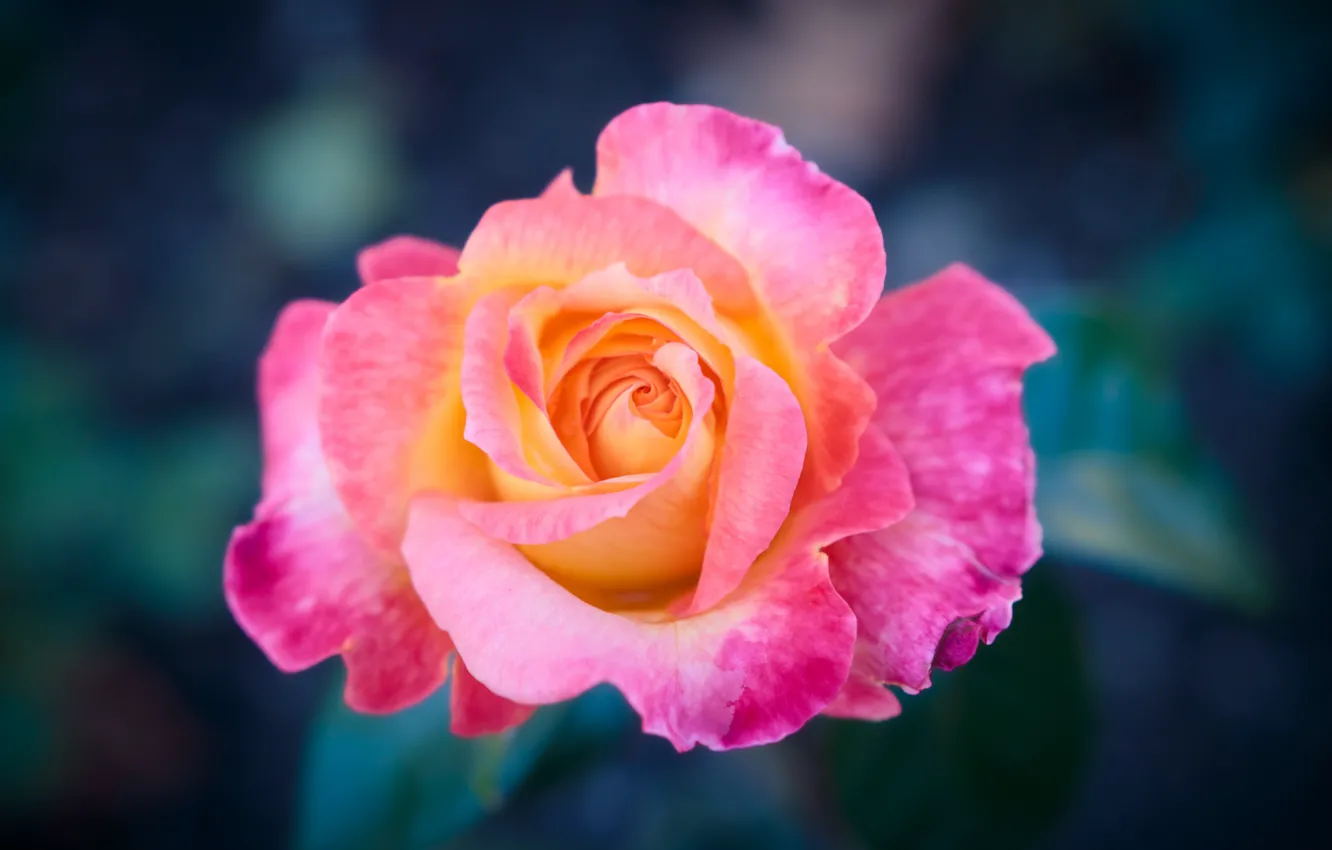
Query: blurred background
{"type": "Point", "coordinates": [1153, 178]}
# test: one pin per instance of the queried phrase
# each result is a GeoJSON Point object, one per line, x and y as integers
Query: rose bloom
{"type": "Point", "coordinates": [665, 436]}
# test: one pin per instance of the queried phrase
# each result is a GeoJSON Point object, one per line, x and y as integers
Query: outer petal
{"type": "Point", "coordinates": [748, 672]}
{"type": "Point", "coordinates": [812, 244]}
{"type": "Point", "coordinates": [406, 256]}
{"type": "Point", "coordinates": [908, 585]}
{"type": "Point", "coordinates": [761, 461]}
{"type": "Point", "coordinates": [945, 358]}
{"type": "Point", "coordinates": [475, 710]}
{"type": "Point", "coordinates": [298, 578]}
{"type": "Point", "coordinates": [389, 366]}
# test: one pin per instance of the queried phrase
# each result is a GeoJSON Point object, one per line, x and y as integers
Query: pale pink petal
{"type": "Point", "coordinates": [475, 709]}
{"type": "Point", "coordinates": [946, 358]}
{"type": "Point", "coordinates": [748, 672]}
{"type": "Point", "coordinates": [288, 391]}
{"type": "Point", "coordinates": [298, 578]}
{"type": "Point", "coordinates": [495, 423]}
{"type": "Point", "coordinates": [389, 355]}
{"type": "Point", "coordinates": [562, 238]}
{"type": "Point", "coordinates": [406, 256]}
{"type": "Point", "coordinates": [811, 245]}
{"type": "Point", "coordinates": [761, 461]}
{"type": "Point", "coordinates": [553, 519]}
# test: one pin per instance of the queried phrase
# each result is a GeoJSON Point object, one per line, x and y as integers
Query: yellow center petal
{"type": "Point", "coordinates": [633, 424]}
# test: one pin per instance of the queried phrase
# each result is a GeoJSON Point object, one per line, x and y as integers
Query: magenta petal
{"type": "Point", "coordinates": [476, 710]}
{"type": "Point", "coordinates": [298, 578]}
{"type": "Point", "coordinates": [907, 585]}
{"type": "Point", "coordinates": [945, 358]}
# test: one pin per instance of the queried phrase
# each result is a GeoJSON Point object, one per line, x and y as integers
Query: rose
{"type": "Point", "coordinates": [665, 436]}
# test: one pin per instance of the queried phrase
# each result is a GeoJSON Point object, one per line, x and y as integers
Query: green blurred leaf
{"type": "Point", "coordinates": [990, 755]}
{"type": "Point", "coordinates": [322, 172]}
{"type": "Point", "coordinates": [1151, 523]}
{"type": "Point", "coordinates": [403, 781]}
{"type": "Point", "coordinates": [193, 486]}
{"type": "Point", "coordinates": [1121, 484]}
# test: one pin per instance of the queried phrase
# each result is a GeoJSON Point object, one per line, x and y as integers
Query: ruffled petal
{"type": "Point", "coordinates": [298, 578]}
{"type": "Point", "coordinates": [406, 256]}
{"type": "Point", "coordinates": [748, 672]}
{"type": "Point", "coordinates": [945, 358]}
{"type": "Point", "coordinates": [389, 415]}
{"type": "Point", "coordinates": [476, 710]}
{"type": "Point", "coordinates": [909, 585]}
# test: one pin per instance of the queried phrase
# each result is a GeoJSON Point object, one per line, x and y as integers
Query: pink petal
{"type": "Point", "coordinates": [562, 186]}
{"type": "Point", "coordinates": [864, 699]}
{"type": "Point", "coordinates": [298, 578]}
{"type": "Point", "coordinates": [495, 423]}
{"type": "Point", "coordinates": [908, 585]}
{"type": "Point", "coordinates": [406, 256]}
{"type": "Point", "coordinates": [389, 363]}
{"type": "Point", "coordinates": [946, 358]}
{"type": "Point", "coordinates": [838, 407]}
{"type": "Point", "coordinates": [476, 710]}
{"type": "Point", "coordinates": [811, 244]}
{"type": "Point", "coordinates": [761, 462]}
{"type": "Point", "coordinates": [614, 293]}
{"type": "Point", "coordinates": [748, 672]}
{"type": "Point", "coordinates": [562, 238]}
{"type": "Point", "coordinates": [874, 495]}
{"type": "Point", "coordinates": [554, 519]}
